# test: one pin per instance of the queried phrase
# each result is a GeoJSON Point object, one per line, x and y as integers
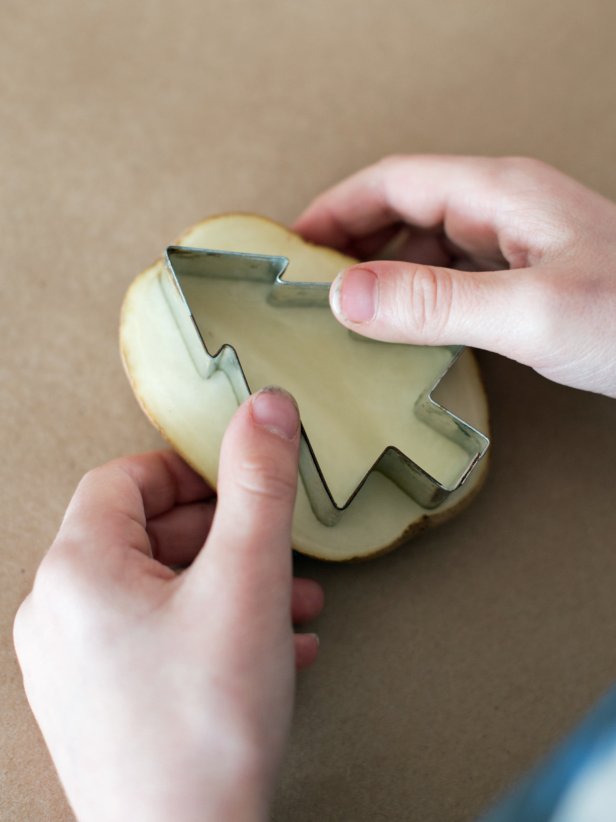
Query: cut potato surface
{"type": "Point", "coordinates": [344, 387]}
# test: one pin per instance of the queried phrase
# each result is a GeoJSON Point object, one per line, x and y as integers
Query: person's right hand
{"type": "Point", "coordinates": [537, 249]}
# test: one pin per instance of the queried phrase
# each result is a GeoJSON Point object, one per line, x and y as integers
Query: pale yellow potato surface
{"type": "Point", "coordinates": [335, 378]}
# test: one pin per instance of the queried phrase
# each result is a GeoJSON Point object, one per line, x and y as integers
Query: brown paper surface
{"type": "Point", "coordinates": [449, 666]}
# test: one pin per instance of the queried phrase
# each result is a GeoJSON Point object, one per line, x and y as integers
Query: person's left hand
{"type": "Point", "coordinates": [163, 695]}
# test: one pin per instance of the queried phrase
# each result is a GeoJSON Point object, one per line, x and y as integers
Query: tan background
{"type": "Point", "coordinates": [449, 666]}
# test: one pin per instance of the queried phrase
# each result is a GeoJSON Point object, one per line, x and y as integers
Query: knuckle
{"type": "Point", "coordinates": [266, 479]}
{"type": "Point", "coordinates": [388, 178]}
{"type": "Point", "coordinates": [58, 599]}
{"type": "Point", "coordinates": [429, 300]}
{"type": "Point", "coordinates": [94, 473]}
{"type": "Point", "coordinates": [388, 181]}
{"type": "Point", "coordinates": [61, 573]}
{"type": "Point", "coordinates": [100, 472]}
{"type": "Point", "coordinates": [54, 574]}
{"type": "Point", "coordinates": [66, 597]}
{"type": "Point", "coordinates": [391, 162]}
{"type": "Point", "coordinates": [522, 173]}
{"type": "Point", "coordinates": [90, 479]}
{"type": "Point", "coordinates": [523, 163]}
{"type": "Point", "coordinates": [529, 194]}
{"type": "Point", "coordinates": [21, 625]}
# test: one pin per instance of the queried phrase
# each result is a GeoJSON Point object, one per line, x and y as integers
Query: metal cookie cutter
{"type": "Point", "coordinates": [181, 262]}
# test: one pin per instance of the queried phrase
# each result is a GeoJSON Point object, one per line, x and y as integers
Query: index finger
{"type": "Point", "coordinates": [113, 503]}
{"type": "Point", "coordinates": [424, 191]}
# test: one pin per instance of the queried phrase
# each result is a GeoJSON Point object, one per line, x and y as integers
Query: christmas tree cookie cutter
{"type": "Point", "coordinates": [181, 262]}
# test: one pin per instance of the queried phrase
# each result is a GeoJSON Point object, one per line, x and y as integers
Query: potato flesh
{"type": "Point", "coordinates": [193, 412]}
{"type": "Point", "coordinates": [355, 396]}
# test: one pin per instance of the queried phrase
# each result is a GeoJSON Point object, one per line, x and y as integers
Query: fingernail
{"type": "Point", "coordinates": [275, 410]}
{"type": "Point", "coordinates": [355, 294]}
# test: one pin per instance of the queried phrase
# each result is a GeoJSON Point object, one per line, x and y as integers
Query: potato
{"type": "Point", "coordinates": [355, 396]}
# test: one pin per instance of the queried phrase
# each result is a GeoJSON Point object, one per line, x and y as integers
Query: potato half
{"type": "Point", "coordinates": [354, 397]}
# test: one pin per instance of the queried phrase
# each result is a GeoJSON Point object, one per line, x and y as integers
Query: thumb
{"type": "Point", "coordinates": [249, 545]}
{"type": "Point", "coordinates": [427, 305]}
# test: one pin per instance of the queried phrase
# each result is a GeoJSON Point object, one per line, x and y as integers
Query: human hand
{"type": "Point", "coordinates": [509, 255]}
{"type": "Point", "coordinates": [162, 695]}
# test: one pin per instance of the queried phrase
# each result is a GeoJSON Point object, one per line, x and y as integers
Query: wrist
{"type": "Point", "coordinates": [194, 793]}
